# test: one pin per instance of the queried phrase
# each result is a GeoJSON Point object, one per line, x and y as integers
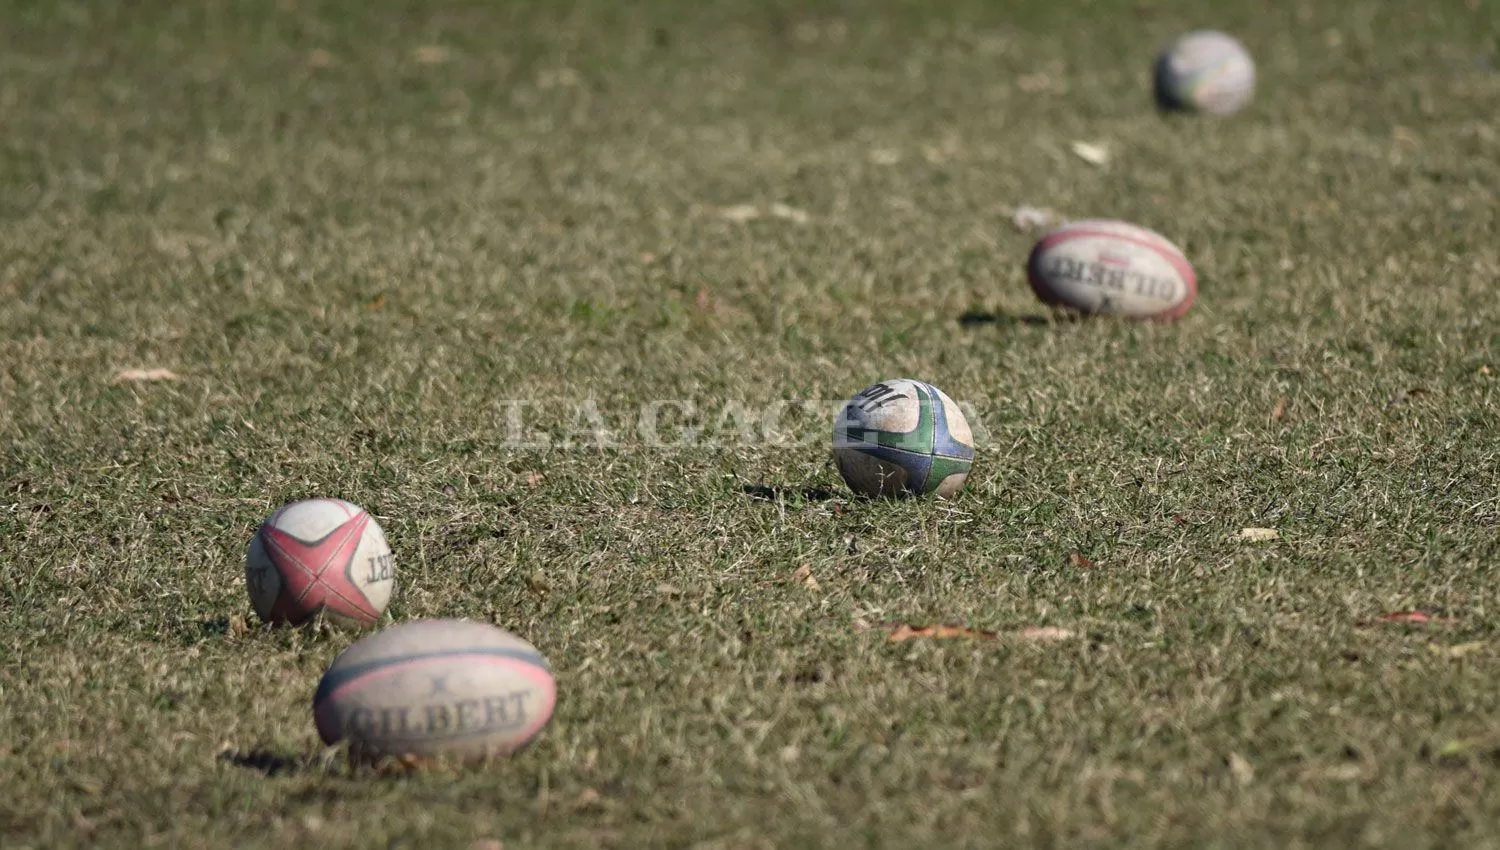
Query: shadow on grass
{"type": "Point", "coordinates": [762, 493]}
{"type": "Point", "coordinates": [983, 318]}
{"type": "Point", "coordinates": [340, 761]}
{"type": "Point", "coordinates": [211, 627]}
{"type": "Point", "coordinates": [192, 631]}
{"type": "Point", "coordinates": [272, 763]}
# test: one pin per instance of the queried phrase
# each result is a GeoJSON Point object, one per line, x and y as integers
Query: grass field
{"type": "Point", "coordinates": [362, 234]}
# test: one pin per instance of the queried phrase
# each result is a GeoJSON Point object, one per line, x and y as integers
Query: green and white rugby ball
{"type": "Point", "coordinates": [903, 438]}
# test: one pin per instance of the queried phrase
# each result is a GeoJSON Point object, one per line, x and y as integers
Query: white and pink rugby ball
{"type": "Point", "coordinates": [320, 558]}
{"type": "Point", "coordinates": [435, 689]}
{"type": "Point", "coordinates": [1112, 268]}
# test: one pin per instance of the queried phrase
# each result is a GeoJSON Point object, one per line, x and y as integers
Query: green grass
{"type": "Point", "coordinates": [354, 258]}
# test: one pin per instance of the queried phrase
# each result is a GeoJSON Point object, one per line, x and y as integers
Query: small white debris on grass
{"type": "Point", "coordinates": [1026, 218]}
{"type": "Point", "coordinates": [1336, 773]}
{"type": "Point", "coordinates": [139, 375]}
{"type": "Point", "coordinates": [1093, 153]}
{"type": "Point", "coordinates": [1043, 633]}
{"type": "Point", "coordinates": [741, 212]}
{"type": "Point", "coordinates": [1241, 769]}
{"type": "Point", "coordinates": [790, 213]}
{"type": "Point", "coordinates": [750, 212]}
{"type": "Point", "coordinates": [1258, 535]}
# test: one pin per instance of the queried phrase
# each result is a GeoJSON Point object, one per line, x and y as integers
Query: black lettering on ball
{"type": "Point", "coordinates": [467, 712]}
{"type": "Point", "coordinates": [439, 718]}
{"type": "Point", "coordinates": [360, 722]}
{"type": "Point", "coordinates": [381, 568]}
{"type": "Point", "coordinates": [876, 397]}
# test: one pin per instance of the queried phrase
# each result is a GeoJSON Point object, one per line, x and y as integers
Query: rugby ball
{"type": "Point", "coordinates": [320, 557]}
{"type": "Point", "coordinates": [1112, 268]}
{"type": "Point", "coordinates": [1205, 71]}
{"type": "Point", "coordinates": [435, 689]}
{"type": "Point", "coordinates": [903, 438]}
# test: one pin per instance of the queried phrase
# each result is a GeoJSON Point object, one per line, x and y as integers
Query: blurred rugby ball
{"type": "Point", "coordinates": [1112, 268]}
{"type": "Point", "coordinates": [903, 438]}
{"type": "Point", "coordinates": [1205, 71]}
{"type": "Point", "coordinates": [320, 557]}
{"type": "Point", "coordinates": [435, 689]}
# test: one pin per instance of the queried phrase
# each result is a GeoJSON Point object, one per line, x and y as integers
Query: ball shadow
{"type": "Point", "coordinates": [984, 318]}
{"type": "Point", "coordinates": [762, 493]}
{"type": "Point", "coordinates": [269, 762]}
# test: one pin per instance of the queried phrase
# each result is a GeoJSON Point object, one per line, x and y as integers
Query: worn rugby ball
{"type": "Point", "coordinates": [435, 690]}
{"type": "Point", "coordinates": [1112, 268]}
{"type": "Point", "coordinates": [1205, 71]}
{"type": "Point", "coordinates": [320, 557]}
{"type": "Point", "coordinates": [903, 438]}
